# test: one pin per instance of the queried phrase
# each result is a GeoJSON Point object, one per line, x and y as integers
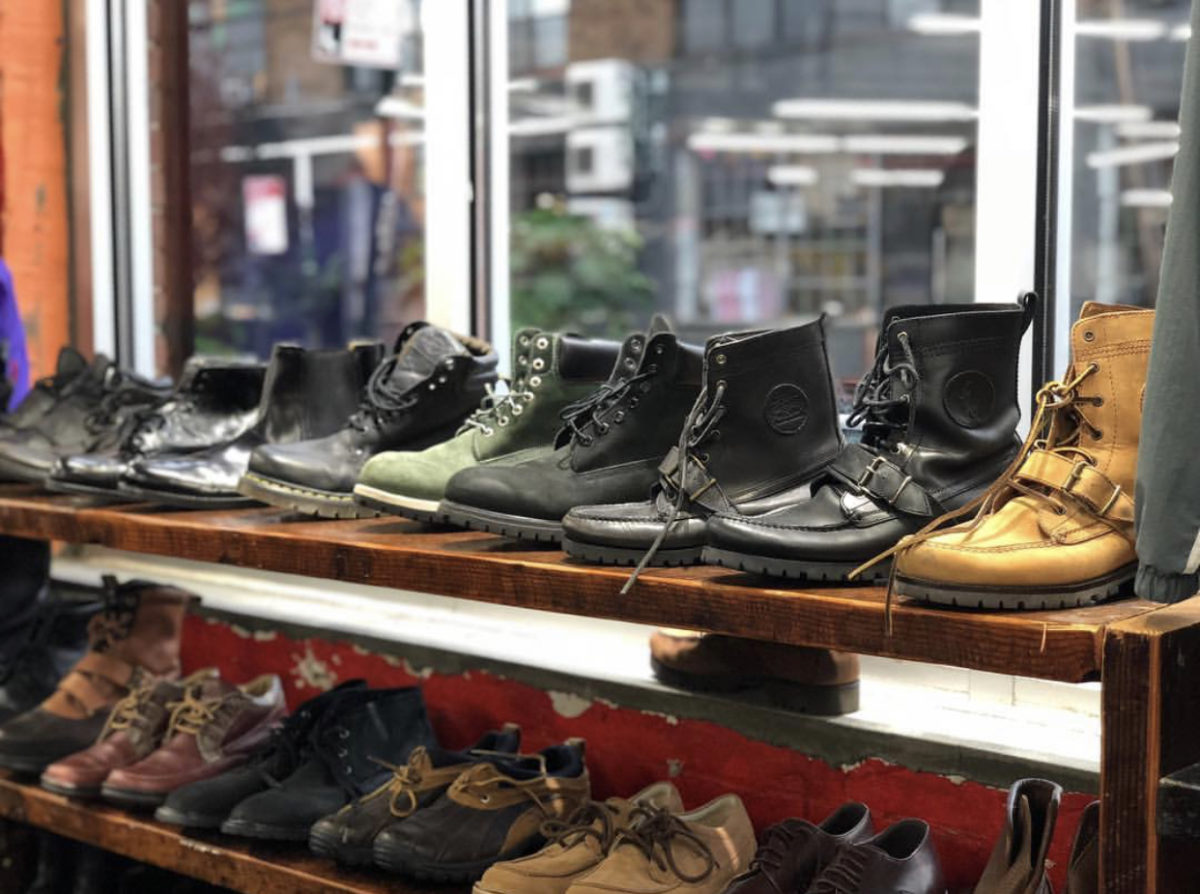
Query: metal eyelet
{"type": "Point", "coordinates": [344, 734]}
{"type": "Point", "coordinates": [535, 381]}
{"type": "Point", "coordinates": [619, 417]}
{"type": "Point", "coordinates": [543, 343]}
{"type": "Point", "coordinates": [1097, 435]}
{"type": "Point", "coordinates": [485, 799]}
{"type": "Point", "coordinates": [449, 364]}
{"type": "Point", "coordinates": [523, 340]}
{"type": "Point", "coordinates": [658, 349]}
{"type": "Point", "coordinates": [1089, 335]}
{"type": "Point", "coordinates": [630, 362]}
{"type": "Point", "coordinates": [539, 363]}
{"type": "Point", "coordinates": [523, 360]}
{"type": "Point", "coordinates": [342, 752]}
{"type": "Point", "coordinates": [502, 421]}
{"type": "Point", "coordinates": [720, 359]}
{"type": "Point", "coordinates": [488, 432]}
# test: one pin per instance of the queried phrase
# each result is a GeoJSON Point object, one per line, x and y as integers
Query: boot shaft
{"type": "Point", "coordinates": [309, 394]}
{"type": "Point", "coordinates": [141, 624]}
{"type": "Point", "coordinates": [364, 724]}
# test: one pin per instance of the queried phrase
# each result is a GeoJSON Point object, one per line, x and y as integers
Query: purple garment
{"type": "Point", "coordinates": [12, 333]}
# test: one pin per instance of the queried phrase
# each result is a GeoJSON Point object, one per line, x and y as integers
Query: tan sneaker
{"type": "Point", "coordinates": [576, 846]}
{"type": "Point", "coordinates": [689, 853]}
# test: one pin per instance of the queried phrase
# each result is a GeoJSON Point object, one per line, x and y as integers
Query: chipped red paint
{"type": "Point", "coordinates": [630, 748]}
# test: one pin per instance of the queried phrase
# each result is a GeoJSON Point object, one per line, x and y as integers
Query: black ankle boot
{"type": "Point", "coordinates": [45, 393]}
{"type": "Point", "coordinates": [939, 414]}
{"type": "Point", "coordinates": [214, 402]}
{"type": "Point", "coordinates": [91, 413]}
{"type": "Point", "coordinates": [765, 423]}
{"type": "Point", "coordinates": [608, 452]}
{"type": "Point", "coordinates": [419, 396]}
{"type": "Point", "coordinates": [306, 394]}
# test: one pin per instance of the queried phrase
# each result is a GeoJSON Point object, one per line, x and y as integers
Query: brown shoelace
{"type": "Point", "coordinates": [654, 831]}
{"type": "Point", "coordinates": [192, 713]}
{"type": "Point", "coordinates": [778, 841]}
{"type": "Point", "coordinates": [596, 819]}
{"type": "Point", "coordinates": [128, 711]}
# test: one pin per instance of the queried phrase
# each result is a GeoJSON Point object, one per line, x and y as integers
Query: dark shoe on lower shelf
{"type": "Point", "coordinates": [799, 678]}
{"type": "Point", "coordinates": [1018, 862]}
{"type": "Point", "coordinates": [901, 858]}
{"type": "Point", "coordinates": [348, 835]}
{"type": "Point", "coordinates": [365, 727]}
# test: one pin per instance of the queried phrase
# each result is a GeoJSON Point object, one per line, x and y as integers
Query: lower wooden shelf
{"type": "Point", "coordinates": [213, 858]}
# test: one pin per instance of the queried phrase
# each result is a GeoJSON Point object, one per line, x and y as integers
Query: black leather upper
{"type": "Point", "coordinates": [901, 858]}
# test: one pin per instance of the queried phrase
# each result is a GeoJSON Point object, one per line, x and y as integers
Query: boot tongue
{"type": "Point", "coordinates": [421, 354]}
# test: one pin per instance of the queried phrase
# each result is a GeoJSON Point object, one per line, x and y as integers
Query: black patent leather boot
{"type": "Point", "coordinates": [215, 401]}
{"type": "Point", "coordinates": [765, 423]}
{"type": "Point", "coordinates": [306, 394]}
{"type": "Point", "coordinates": [608, 451]}
{"type": "Point", "coordinates": [417, 397]}
{"type": "Point", "coordinates": [939, 414]}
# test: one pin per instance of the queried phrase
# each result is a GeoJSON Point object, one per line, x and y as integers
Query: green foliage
{"type": "Point", "coordinates": [570, 274]}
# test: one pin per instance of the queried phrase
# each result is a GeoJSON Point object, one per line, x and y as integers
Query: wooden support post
{"type": "Point", "coordinates": [1151, 711]}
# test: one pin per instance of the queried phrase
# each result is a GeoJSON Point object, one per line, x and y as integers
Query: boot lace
{"type": "Point", "coordinates": [582, 419]}
{"type": "Point", "coordinates": [116, 616]}
{"type": "Point", "coordinates": [406, 782]}
{"type": "Point", "coordinates": [595, 819]}
{"type": "Point", "coordinates": [883, 392]}
{"type": "Point", "coordinates": [843, 875]}
{"type": "Point", "coordinates": [109, 411]}
{"type": "Point", "coordinates": [778, 842]}
{"type": "Point", "coordinates": [655, 831]}
{"type": "Point", "coordinates": [482, 781]}
{"type": "Point", "coordinates": [382, 398]}
{"type": "Point", "coordinates": [129, 711]}
{"type": "Point", "coordinates": [193, 712]}
{"type": "Point", "coordinates": [499, 409]}
{"type": "Point", "coordinates": [698, 429]}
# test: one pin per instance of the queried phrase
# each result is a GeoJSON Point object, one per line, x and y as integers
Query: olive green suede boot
{"type": "Point", "coordinates": [550, 372]}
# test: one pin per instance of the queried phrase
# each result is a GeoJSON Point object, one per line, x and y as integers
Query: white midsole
{"type": "Point", "coordinates": [383, 496]}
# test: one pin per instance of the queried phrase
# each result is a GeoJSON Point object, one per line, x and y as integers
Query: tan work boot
{"type": "Point", "coordinates": [1018, 862]}
{"type": "Point", "coordinates": [816, 681]}
{"type": "Point", "coordinates": [1057, 528]}
{"type": "Point", "coordinates": [134, 639]}
{"type": "Point", "coordinates": [698, 852]}
{"type": "Point", "coordinates": [576, 846]}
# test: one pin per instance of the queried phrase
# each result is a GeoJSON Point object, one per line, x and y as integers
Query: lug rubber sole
{"type": "Point", "coordinates": [33, 766]}
{"type": "Point", "coordinates": [129, 797]}
{"type": "Point", "coordinates": [531, 530]}
{"type": "Point", "coordinates": [1089, 592]}
{"type": "Point", "coordinates": [182, 501]}
{"type": "Point", "coordinates": [173, 817]}
{"type": "Point", "coordinates": [794, 569]}
{"type": "Point", "coordinates": [826, 701]}
{"type": "Point", "coordinates": [71, 791]}
{"type": "Point", "coordinates": [619, 555]}
{"type": "Point", "coordinates": [386, 503]}
{"type": "Point", "coordinates": [247, 829]}
{"type": "Point", "coordinates": [305, 500]}
{"type": "Point", "coordinates": [325, 843]}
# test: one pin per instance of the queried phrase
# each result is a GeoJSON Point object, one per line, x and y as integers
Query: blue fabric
{"type": "Point", "coordinates": [12, 333]}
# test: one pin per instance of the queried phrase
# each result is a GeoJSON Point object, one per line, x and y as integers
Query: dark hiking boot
{"type": "Point", "coordinates": [45, 393]}
{"type": "Point", "coordinates": [608, 451]}
{"type": "Point", "coordinates": [939, 414]}
{"type": "Point", "coordinates": [765, 423]}
{"type": "Point", "coordinates": [215, 401]}
{"type": "Point", "coordinates": [418, 397]}
{"type": "Point", "coordinates": [306, 394]}
{"type": "Point", "coordinates": [348, 835]}
{"type": "Point", "coordinates": [49, 643]}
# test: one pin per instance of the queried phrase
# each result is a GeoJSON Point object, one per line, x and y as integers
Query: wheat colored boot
{"type": "Point", "coordinates": [1057, 529]}
{"type": "Point", "coordinates": [1018, 862]}
{"type": "Point", "coordinates": [133, 640]}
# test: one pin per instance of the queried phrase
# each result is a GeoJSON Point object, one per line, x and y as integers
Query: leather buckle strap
{"type": "Point", "coordinates": [1080, 480]}
{"type": "Point", "coordinates": [868, 473]}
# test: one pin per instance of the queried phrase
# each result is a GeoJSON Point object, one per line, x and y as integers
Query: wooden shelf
{"type": "Point", "coordinates": [268, 868]}
{"type": "Point", "coordinates": [1061, 645]}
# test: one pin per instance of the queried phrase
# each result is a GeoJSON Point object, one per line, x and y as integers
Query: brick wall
{"type": "Point", "coordinates": [637, 30]}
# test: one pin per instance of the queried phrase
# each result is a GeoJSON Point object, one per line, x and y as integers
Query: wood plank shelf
{"type": "Point", "coordinates": [1062, 645]}
{"type": "Point", "coordinates": [267, 868]}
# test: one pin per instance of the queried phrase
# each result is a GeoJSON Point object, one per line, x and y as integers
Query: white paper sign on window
{"type": "Point", "coordinates": [361, 32]}
{"type": "Point", "coordinates": [265, 200]}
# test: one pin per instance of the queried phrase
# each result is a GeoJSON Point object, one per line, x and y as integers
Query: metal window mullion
{"type": "Point", "coordinates": [140, 295]}
{"type": "Point", "coordinates": [100, 177]}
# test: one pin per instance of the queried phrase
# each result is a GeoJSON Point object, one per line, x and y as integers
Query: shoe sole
{"type": "Point", "coordinates": [401, 863]}
{"type": "Point", "coordinates": [173, 817]}
{"type": "Point", "coordinates": [71, 791]}
{"type": "Point", "coordinates": [795, 569]}
{"type": "Point", "coordinates": [620, 555]}
{"type": "Point", "coordinates": [385, 502]}
{"type": "Point", "coordinates": [131, 797]}
{"type": "Point", "coordinates": [33, 766]}
{"type": "Point", "coordinates": [1090, 592]}
{"type": "Point", "coordinates": [182, 501]}
{"type": "Point", "coordinates": [63, 486]}
{"type": "Point", "coordinates": [247, 829]}
{"type": "Point", "coordinates": [532, 530]}
{"type": "Point", "coordinates": [305, 500]}
{"type": "Point", "coordinates": [12, 470]}
{"type": "Point", "coordinates": [326, 844]}
{"type": "Point", "coordinates": [826, 701]}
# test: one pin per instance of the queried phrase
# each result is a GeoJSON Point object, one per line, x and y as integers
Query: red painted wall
{"type": "Point", "coordinates": [628, 749]}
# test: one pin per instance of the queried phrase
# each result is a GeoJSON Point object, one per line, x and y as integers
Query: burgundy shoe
{"type": "Point", "coordinates": [214, 728]}
{"type": "Point", "coordinates": [901, 858]}
{"type": "Point", "coordinates": [134, 729]}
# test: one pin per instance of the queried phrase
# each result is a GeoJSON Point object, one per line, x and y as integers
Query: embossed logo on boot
{"type": "Point", "coordinates": [970, 398]}
{"type": "Point", "coordinates": [786, 409]}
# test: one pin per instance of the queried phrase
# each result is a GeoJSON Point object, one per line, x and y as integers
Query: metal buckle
{"type": "Point", "coordinates": [869, 472]}
{"type": "Point", "coordinates": [903, 484]}
{"type": "Point", "coordinates": [1112, 501]}
{"type": "Point", "coordinates": [1075, 476]}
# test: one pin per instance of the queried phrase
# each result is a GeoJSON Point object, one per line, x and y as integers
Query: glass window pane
{"type": "Point", "coordinates": [306, 173]}
{"type": "Point", "coordinates": [834, 173]}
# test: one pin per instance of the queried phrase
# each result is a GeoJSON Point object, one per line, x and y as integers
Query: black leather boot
{"type": "Point", "coordinates": [765, 423]}
{"type": "Point", "coordinates": [90, 414]}
{"type": "Point", "coordinates": [215, 401]}
{"type": "Point", "coordinates": [419, 396]}
{"type": "Point", "coordinates": [45, 393]}
{"type": "Point", "coordinates": [351, 745]}
{"type": "Point", "coordinates": [608, 452]}
{"type": "Point", "coordinates": [939, 414]}
{"type": "Point", "coordinates": [306, 394]}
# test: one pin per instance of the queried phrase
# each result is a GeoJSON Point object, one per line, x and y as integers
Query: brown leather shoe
{"type": "Point", "coordinates": [1083, 870]}
{"type": "Point", "coordinates": [1018, 862]}
{"type": "Point", "coordinates": [698, 852]}
{"type": "Point", "coordinates": [134, 729]}
{"type": "Point", "coordinates": [816, 681]}
{"type": "Point", "coordinates": [213, 728]}
{"type": "Point", "coordinates": [902, 858]}
{"type": "Point", "coordinates": [134, 639]}
{"type": "Point", "coordinates": [794, 852]}
{"type": "Point", "coordinates": [577, 846]}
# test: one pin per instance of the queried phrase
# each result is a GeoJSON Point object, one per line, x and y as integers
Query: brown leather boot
{"type": "Point", "coordinates": [134, 639]}
{"type": "Point", "coordinates": [1018, 862]}
{"type": "Point", "coordinates": [1057, 529]}
{"type": "Point", "coordinates": [1083, 871]}
{"type": "Point", "coordinates": [816, 681]}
